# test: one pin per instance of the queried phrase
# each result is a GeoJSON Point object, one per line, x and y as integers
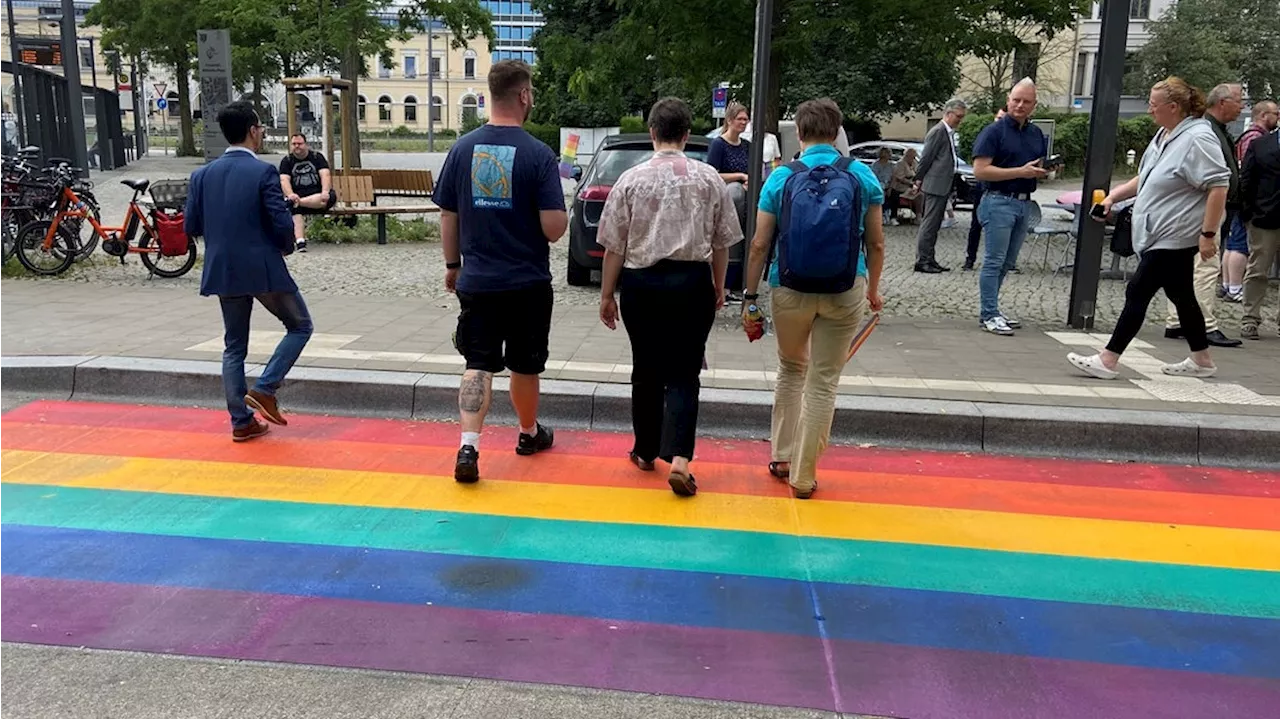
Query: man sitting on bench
{"type": "Point", "coordinates": [304, 176]}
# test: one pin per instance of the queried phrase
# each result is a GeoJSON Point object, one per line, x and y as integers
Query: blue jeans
{"type": "Point", "coordinates": [1004, 221]}
{"type": "Point", "coordinates": [289, 308]}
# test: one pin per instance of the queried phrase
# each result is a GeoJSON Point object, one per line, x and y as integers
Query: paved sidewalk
{"type": "Point", "coordinates": [937, 359]}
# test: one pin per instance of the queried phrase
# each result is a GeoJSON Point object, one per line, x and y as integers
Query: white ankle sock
{"type": "Point", "coordinates": [531, 431]}
{"type": "Point", "coordinates": [1234, 289]}
{"type": "Point", "coordinates": [471, 439]}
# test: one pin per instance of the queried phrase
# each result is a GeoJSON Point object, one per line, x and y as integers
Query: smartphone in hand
{"type": "Point", "coordinates": [1053, 161]}
{"type": "Point", "coordinates": [1099, 211]}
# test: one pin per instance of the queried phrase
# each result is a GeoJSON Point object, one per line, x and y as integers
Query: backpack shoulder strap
{"type": "Point", "coordinates": [796, 167]}
{"type": "Point", "coordinates": [844, 163]}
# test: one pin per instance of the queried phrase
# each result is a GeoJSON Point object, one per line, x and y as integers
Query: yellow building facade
{"type": "Point", "coordinates": [398, 94]}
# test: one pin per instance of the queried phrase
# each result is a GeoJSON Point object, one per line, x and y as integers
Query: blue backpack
{"type": "Point", "coordinates": [818, 238]}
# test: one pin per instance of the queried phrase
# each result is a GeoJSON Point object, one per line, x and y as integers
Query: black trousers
{"type": "Point", "coordinates": [1171, 271]}
{"type": "Point", "coordinates": [668, 310]}
{"type": "Point", "coordinates": [975, 229]}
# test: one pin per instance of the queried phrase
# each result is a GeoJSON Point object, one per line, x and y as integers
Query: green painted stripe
{"type": "Point", "coordinates": [1010, 574]}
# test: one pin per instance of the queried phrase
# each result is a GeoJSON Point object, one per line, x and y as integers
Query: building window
{"type": "Point", "coordinates": [437, 109]}
{"type": "Point", "coordinates": [1082, 66]}
{"type": "Point", "coordinates": [410, 65]}
{"type": "Point", "coordinates": [470, 109]}
{"type": "Point", "coordinates": [411, 110]}
{"type": "Point", "coordinates": [435, 66]}
{"type": "Point", "coordinates": [1026, 61]}
{"type": "Point", "coordinates": [384, 109]}
{"type": "Point", "coordinates": [384, 70]}
{"type": "Point", "coordinates": [360, 103]}
{"type": "Point", "coordinates": [469, 65]}
{"type": "Point", "coordinates": [1139, 9]}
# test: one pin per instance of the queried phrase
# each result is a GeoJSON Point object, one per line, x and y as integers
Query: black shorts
{"type": "Point", "coordinates": [507, 329]}
{"type": "Point", "coordinates": [299, 210]}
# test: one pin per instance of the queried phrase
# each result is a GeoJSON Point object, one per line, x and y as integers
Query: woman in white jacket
{"type": "Point", "coordinates": [1181, 191]}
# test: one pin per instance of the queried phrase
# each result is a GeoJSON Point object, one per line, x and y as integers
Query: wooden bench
{"type": "Point", "coordinates": [395, 183]}
{"type": "Point", "coordinates": [356, 197]}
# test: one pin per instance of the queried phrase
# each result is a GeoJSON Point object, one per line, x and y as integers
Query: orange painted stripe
{"type": "Point", "coordinates": [1170, 478]}
{"type": "Point", "coordinates": [564, 468]}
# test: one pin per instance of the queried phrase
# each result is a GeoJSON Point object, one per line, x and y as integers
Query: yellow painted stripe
{"type": "Point", "coordinates": [1137, 541]}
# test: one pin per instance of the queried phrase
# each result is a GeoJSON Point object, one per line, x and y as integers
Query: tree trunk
{"type": "Point", "coordinates": [350, 70]}
{"type": "Point", "coordinates": [186, 140]}
{"type": "Point", "coordinates": [258, 107]}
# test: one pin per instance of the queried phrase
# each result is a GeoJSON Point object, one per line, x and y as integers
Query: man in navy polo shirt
{"type": "Point", "coordinates": [1008, 157]}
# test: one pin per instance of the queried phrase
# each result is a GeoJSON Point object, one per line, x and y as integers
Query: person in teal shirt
{"type": "Point", "coordinates": [813, 330]}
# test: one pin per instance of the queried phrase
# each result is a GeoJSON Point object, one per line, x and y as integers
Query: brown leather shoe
{"type": "Point", "coordinates": [250, 431]}
{"type": "Point", "coordinates": [267, 405]}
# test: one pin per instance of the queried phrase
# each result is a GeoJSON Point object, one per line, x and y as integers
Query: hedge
{"type": "Point", "coordinates": [549, 134]}
{"type": "Point", "coordinates": [1071, 136]}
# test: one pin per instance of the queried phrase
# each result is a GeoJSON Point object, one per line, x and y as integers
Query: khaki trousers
{"type": "Point", "coordinates": [1206, 280]}
{"type": "Point", "coordinates": [1263, 247]}
{"type": "Point", "coordinates": [813, 333]}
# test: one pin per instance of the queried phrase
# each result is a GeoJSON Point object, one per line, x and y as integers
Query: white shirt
{"type": "Point", "coordinates": [238, 148]}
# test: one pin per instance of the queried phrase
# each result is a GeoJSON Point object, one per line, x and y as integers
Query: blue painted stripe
{"type": "Point", "coordinates": [1112, 635]}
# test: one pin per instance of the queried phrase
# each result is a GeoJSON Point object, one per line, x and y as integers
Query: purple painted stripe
{"type": "Point", "coordinates": [708, 663]}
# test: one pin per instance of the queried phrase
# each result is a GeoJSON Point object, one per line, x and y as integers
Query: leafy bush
{"type": "Point", "coordinates": [403, 131]}
{"type": "Point", "coordinates": [446, 133]}
{"type": "Point", "coordinates": [549, 134]}
{"type": "Point", "coordinates": [861, 130]}
{"type": "Point", "coordinates": [1134, 134]}
{"type": "Point", "coordinates": [632, 124]}
{"type": "Point", "coordinates": [701, 126]}
{"type": "Point", "coordinates": [471, 123]}
{"type": "Point", "coordinates": [335, 231]}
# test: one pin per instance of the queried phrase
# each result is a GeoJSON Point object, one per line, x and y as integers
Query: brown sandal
{"type": "Point", "coordinates": [683, 485]}
{"type": "Point", "coordinates": [641, 464]}
{"type": "Point", "coordinates": [779, 473]}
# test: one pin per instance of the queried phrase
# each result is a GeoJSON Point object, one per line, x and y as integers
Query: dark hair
{"type": "Point", "coordinates": [235, 120]}
{"type": "Point", "coordinates": [818, 120]}
{"type": "Point", "coordinates": [670, 119]}
{"type": "Point", "coordinates": [298, 134]}
{"type": "Point", "coordinates": [507, 79]}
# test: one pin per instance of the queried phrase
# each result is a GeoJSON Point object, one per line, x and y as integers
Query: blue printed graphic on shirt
{"type": "Point", "coordinates": [491, 171]}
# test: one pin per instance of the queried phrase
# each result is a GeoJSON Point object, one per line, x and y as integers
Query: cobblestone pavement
{"type": "Point", "coordinates": [1038, 295]}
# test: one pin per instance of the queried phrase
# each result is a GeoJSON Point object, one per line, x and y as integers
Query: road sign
{"type": "Point", "coordinates": [161, 103]}
{"type": "Point", "coordinates": [160, 88]}
{"type": "Point", "coordinates": [719, 101]}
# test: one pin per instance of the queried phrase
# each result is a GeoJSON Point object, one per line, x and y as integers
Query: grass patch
{"type": "Point", "coordinates": [404, 144]}
{"type": "Point", "coordinates": [335, 230]}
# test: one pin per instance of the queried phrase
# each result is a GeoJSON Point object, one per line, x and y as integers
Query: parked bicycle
{"type": "Point", "coordinates": [31, 193]}
{"type": "Point", "coordinates": [50, 246]}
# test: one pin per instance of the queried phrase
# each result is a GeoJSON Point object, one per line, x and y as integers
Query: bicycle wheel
{"type": "Point", "coordinates": [169, 267]}
{"type": "Point", "coordinates": [33, 255]}
{"type": "Point", "coordinates": [89, 244]}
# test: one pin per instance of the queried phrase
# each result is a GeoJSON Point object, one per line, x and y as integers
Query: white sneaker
{"type": "Point", "coordinates": [1091, 365]}
{"type": "Point", "coordinates": [301, 245]}
{"type": "Point", "coordinates": [1188, 368]}
{"type": "Point", "coordinates": [1013, 324]}
{"type": "Point", "coordinates": [997, 326]}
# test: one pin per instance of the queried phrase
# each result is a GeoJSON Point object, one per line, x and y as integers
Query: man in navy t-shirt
{"type": "Point", "coordinates": [502, 203]}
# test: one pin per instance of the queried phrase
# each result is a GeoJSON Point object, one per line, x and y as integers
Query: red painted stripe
{"type": "Point", "coordinates": [1166, 478]}
{"type": "Point", "coordinates": [562, 467]}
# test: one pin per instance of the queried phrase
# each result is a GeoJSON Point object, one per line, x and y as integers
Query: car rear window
{"type": "Point", "coordinates": [609, 164]}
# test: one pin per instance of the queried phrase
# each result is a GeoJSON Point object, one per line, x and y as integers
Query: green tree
{"type": "Point", "coordinates": [165, 32]}
{"type": "Point", "coordinates": [875, 58]}
{"type": "Point", "coordinates": [1206, 42]}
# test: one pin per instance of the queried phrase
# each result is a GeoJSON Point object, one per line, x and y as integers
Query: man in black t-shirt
{"type": "Point", "coordinates": [304, 176]}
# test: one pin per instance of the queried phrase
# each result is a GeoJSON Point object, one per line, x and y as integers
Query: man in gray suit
{"type": "Point", "coordinates": [935, 175]}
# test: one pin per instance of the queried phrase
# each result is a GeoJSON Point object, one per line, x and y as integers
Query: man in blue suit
{"type": "Point", "coordinates": [236, 204]}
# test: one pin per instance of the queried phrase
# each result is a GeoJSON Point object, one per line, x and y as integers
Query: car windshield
{"type": "Point", "coordinates": [610, 164]}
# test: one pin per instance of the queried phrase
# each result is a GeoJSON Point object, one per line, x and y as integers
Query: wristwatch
{"type": "Point", "coordinates": [1209, 233]}
{"type": "Point", "coordinates": [452, 265]}
{"type": "Point", "coordinates": [751, 297]}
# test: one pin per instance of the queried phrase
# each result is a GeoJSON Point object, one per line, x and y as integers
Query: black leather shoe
{"type": "Point", "coordinates": [1174, 333]}
{"type": "Point", "coordinates": [929, 269]}
{"type": "Point", "coordinates": [940, 268]}
{"type": "Point", "coordinates": [1217, 339]}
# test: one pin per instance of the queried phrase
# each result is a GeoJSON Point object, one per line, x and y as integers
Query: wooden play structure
{"type": "Point", "coordinates": [326, 85]}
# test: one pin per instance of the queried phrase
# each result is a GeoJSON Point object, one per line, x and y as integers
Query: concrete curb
{"type": "Point", "coordinates": [1084, 433]}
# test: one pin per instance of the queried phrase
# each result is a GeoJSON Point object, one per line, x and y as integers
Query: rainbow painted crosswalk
{"type": "Point", "coordinates": [914, 585]}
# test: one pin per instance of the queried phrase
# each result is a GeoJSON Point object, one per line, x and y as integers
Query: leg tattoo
{"type": "Point", "coordinates": [474, 391]}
